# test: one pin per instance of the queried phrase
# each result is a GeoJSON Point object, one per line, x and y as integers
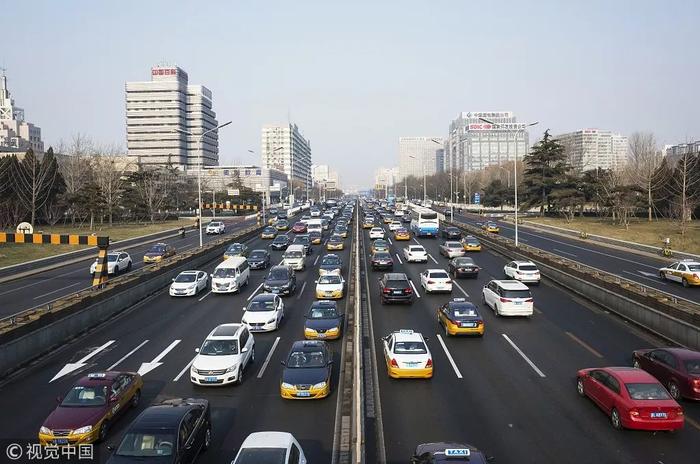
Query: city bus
{"type": "Point", "coordinates": [424, 222]}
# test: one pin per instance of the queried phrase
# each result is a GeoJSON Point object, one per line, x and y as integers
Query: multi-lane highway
{"type": "Point", "coordinates": [37, 289]}
{"type": "Point", "coordinates": [168, 330]}
{"type": "Point", "coordinates": [619, 261]}
{"type": "Point", "coordinates": [512, 392]}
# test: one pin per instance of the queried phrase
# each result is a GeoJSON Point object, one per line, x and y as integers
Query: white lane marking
{"type": "Point", "coordinates": [126, 356]}
{"type": "Point", "coordinates": [564, 252]}
{"type": "Point", "coordinates": [647, 278]}
{"type": "Point", "coordinates": [184, 369]}
{"type": "Point", "coordinates": [460, 288]}
{"type": "Point", "coordinates": [520, 352]}
{"type": "Point", "coordinates": [56, 291]}
{"type": "Point", "coordinates": [149, 366]}
{"type": "Point", "coordinates": [267, 359]}
{"type": "Point", "coordinates": [431, 257]}
{"type": "Point", "coordinates": [41, 281]}
{"type": "Point", "coordinates": [449, 357]}
{"type": "Point", "coordinates": [390, 242]}
{"type": "Point", "coordinates": [255, 291]}
{"type": "Point", "coordinates": [414, 289]}
{"type": "Point", "coordinates": [316, 260]}
{"type": "Point", "coordinates": [414, 239]}
{"type": "Point", "coordinates": [649, 274]}
{"type": "Point", "coordinates": [302, 290]}
{"type": "Point", "coordinates": [82, 362]}
{"type": "Point", "coordinates": [205, 295]}
{"type": "Point", "coordinates": [399, 258]}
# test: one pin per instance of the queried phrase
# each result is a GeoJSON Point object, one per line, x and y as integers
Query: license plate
{"type": "Point", "coordinates": [210, 379]}
{"type": "Point", "coordinates": [411, 363]}
{"type": "Point", "coordinates": [321, 335]}
{"type": "Point", "coordinates": [658, 415]}
{"type": "Point", "coordinates": [303, 394]}
{"type": "Point", "coordinates": [397, 292]}
{"type": "Point", "coordinates": [275, 290]}
{"type": "Point", "coordinates": [518, 302]}
{"type": "Point", "coordinates": [468, 324]}
{"type": "Point", "coordinates": [60, 441]}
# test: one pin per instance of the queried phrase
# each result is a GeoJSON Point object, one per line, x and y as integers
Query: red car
{"type": "Point", "coordinates": [299, 228]}
{"type": "Point", "coordinates": [676, 368]}
{"type": "Point", "coordinates": [631, 397]}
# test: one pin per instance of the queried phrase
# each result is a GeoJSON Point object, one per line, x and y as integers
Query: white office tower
{"type": "Point", "coordinates": [157, 109]}
{"type": "Point", "coordinates": [420, 155]}
{"type": "Point", "coordinates": [284, 148]}
{"type": "Point", "coordinates": [588, 149]}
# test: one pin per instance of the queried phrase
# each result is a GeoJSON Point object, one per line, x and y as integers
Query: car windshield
{"type": "Point", "coordinates": [278, 274]}
{"type": "Point", "coordinates": [257, 254]}
{"type": "Point", "coordinates": [692, 366]}
{"type": "Point", "coordinates": [438, 275]}
{"type": "Point", "coordinates": [185, 278]}
{"type": "Point", "coordinates": [293, 254]}
{"type": "Point", "coordinates": [261, 456]}
{"type": "Point", "coordinates": [410, 348]}
{"type": "Point", "coordinates": [112, 258]}
{"type": "Point", "coordinates": [224, 273]}
{"type": "Point", "coordinates": [453, 245]}
{"type": "Point", "coordinates": [269, 230]}
{"type": "Point", "coordinates": [417, 249]}
{"type": "Point", "coordinates": [323, 312]}
{"type": "Point", "coordinates": [262, 304]}
{"type": "Point", "coordinates": [527, 267]}
{"type": "Point", "coordinates": [235, 248]}
{"type": "Point", "coordinates": [219, 348]}
{"type": "Point", "coordinates": [428, 215]}
{"type": "Point", "coordinates": [157, 249]}
{"type": "Point", "coordinates": [464, 262]}
{"type": "Point", "coordinates": [472, 241]}
{"type": "Point", "coordinates": [146, 444]}
{"type": "Point", "coordinates": [330, 279]}
{"type": "Point", "coordinates": [516, 294]}
{"type": "Point", "coordinates": [306, 359]}
{"type": "Point", "coordinates": [86, 396]}
{"type": "Point", "coordinates": [331, 260]}
{"type": "Point", "coordinates": [301, 240]}
{"type": "Point", "coordinates": [382, 255]}
{"type": "Point", "coordinates": [647, 391]}
{"type": "Point", "coordinates": [336, 239]}
{"type": "Point", "coordinates": [281, 239]}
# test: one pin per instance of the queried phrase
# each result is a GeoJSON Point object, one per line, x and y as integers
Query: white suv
{"type": "Point", "coordinates": [216, 227]}
{"type": "Point", "coordinates": [117, 261]}
{"type": "Point", "coordinates": [415, 254]}
{"type": "Point", "coordinates": [395, 225]}
{"type": "Point", "coordinates": [223, 356]}
{"type": "Point", "coordinates": [376, 232]}
{"type": "Point", "coordinates": [524, 271]}
{"type": "Point", "coordinates": [508, 298]}
{"type": "Point", "coordinates": [277, 447]}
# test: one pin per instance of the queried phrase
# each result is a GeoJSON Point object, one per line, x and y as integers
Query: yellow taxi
{"type": "Point", "coordinates": [491, 227]}
{"type": "Point", "coordinates": [460, 317]}
{"type": "Point", "coordinates": [323, 321]}
{"type": "Point", "coordinates": [282, 224]}
{"type": "Point", "coordinates": [407, 355]}
{"type": "Point", "coordinates": [86, 412]}
{"type": "Point", "coordinates": [307, 371]}
{"type": "Point", "coordinates": [388, 219]}
{"type": "Point", "coordinates": [471, 243]}
{"type": "Point", "coordinates": [368, 224]}
{"type": "Point", "coordinates": [402, 234]}
{"type": "Point", "coordinates": [268, 232]}
{"type": "Point", "coordinates": [315, 237]}
{"type": "Point", "coordinates": [158, 252]}
{"type": "Point", "coordinates": [335, 243]}
{"type": "Point", "coordinates": [686, 272]}
{"type": "Point", "coordinates": [379, 245]}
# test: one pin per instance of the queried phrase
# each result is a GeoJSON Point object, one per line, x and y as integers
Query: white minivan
{"type": "Point", "coordinates": [508, 298]}
{"type": "Point", "coordinates": [295, 257]}
{"type": "Point", "coordinates": [231, 275]}
{"type": "Point", "coordinates": [314, 225]}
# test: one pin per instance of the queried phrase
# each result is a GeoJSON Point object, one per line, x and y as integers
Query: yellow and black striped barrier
{"type": "Point", "coordinates": [230, 207]}
{"type": "Point", "coordinates": [101, 242]}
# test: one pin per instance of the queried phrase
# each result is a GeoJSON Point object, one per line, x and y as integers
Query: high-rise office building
{"type": "Point", "coordinates": [675, 152]}
{"type": "Point", "coordinates": [474, 144]}
{"type": "Point", "coordinates": [283, 147]}
{"type": "Point", "coordinates": [157, 109]}
{"type": "Point", "coordinates": [588, 149]}
{"type": "Point", "coordinates": [322, 174]}
{"type": "Point", "coordinates": [419, 155]}
{"type": "Point", "coordinates": [16, 134]}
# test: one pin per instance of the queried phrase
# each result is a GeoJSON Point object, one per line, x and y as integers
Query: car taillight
{"type": "Point", "coordinates": [448, 281]}
{"type": "Point", "coordinates": [679, 412]}
{"type": "Point", "coordinates": [429, 363]}
{"type": "Point", "coordinates": [408, 290]}
{"type": "Point", "coordinates": [634, 413]}
{"type": "Point", "coordinates": [431, 282]}
{"type": "Point", "coordinates": [394, 363]}
{"type": "Point", "coordinates": [695, 383]}
{"type": "Point", "coordinates": [529, 300]}
{"type": "Point", "coordinates": [505, 300]}
{"type": "Point", "coordinates": [479, 322]}
{"type": "Point", "coordinates": [387, 290]}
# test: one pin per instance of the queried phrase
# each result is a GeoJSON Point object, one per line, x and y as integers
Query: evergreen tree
{"type": "Point", "coordinates": [545, 170]}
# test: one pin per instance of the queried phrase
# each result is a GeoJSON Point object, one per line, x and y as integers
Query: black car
{"type": "Point", "coordinates": [451, 233]}
{"type": "Point", "coordinates": [463, 267]}
{"type": "Point", "coordinates": [382, 260]}
{"type": "Point", "coordinates": [174, 431]}
{"type": "Point", "coordinates": [281, 242]}
{"type": "Point", "coordinates": [323, 321]}
{"type": "Point", "coordinates": [259, 259]}
{"type": "Point", "coordinates": [307, 371]}
{"type": "Point", "coordinates": [303, 240]}
{"type": "Point", "coordinates": [448, 452]}
{"type": "Point", "coordinates": [280, 280]}
{"type": "Point", "coordinates": [395, 288]}
{"type": "Point", "coordinates": [330, 264]}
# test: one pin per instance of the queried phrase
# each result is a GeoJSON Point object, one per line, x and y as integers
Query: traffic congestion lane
{"type": "Point", "coordinates": [499, 388]}
{"type": "Point", "coordinates": [173, 328]}
{"type": "Point", "coordinates": [626, 264]}
{"type": "Point", "coordinates": [37, 289]}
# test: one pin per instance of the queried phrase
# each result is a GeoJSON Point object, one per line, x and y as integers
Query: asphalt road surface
{"type": "Point", "coordinates": [146, 331]}
{"type": "Point", "coordinates": [512, 393]}
{"type": "Point", "coordinates": [38, 289]}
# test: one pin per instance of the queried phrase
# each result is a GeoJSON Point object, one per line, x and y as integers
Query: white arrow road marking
{"type": "Point", "coordinates": [126, 356]}
{"type": "Point", "coordinates": [149, 366]}
{"type": "Point", "coordinates": [267, 359]}
{"type": "Point", "coordinates": [70, 367]}
{"type": "Point", "coordinates": [648, 274]}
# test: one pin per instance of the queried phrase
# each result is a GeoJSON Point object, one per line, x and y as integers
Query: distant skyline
{"type": "Point", "coordinates": [357, 76]}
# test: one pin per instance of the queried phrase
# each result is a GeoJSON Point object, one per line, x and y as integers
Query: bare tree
{"type": "Point", "coordinates": [684, 189]}
{"type": "Point", "coordinates": [645, 159]}
{"type": "Point", "coordinates": [33, 180]}
{"type": "Point", "coordinates": [151, 189]}
{"type": "Point", "coordinates": [76, 167]}
{"type": "Point", "coordinates": [109, 175]}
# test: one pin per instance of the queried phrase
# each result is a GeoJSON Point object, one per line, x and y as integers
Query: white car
{"type": "Point", "coordinates": [264, 313]}
{"type": "Point", "coordinates": [223, 356]}
{"type": "Point", "coordinates": [407, 355]}
{"type": "Point", "coordinates": [117, 261]}
{"type": "Point", "coordinates": [415, 254]}
{"type": "Point", "coordinates": [524, 271]}
{"type": "Point", "coordinates": [452, 249]}
{"type": "Point", "coordinates": [189, 283]}
{"type": "Point", "coordinates": [272, 447]}
{"type": "Point", "coordinates": [376, 232]}
{"type": "Point", "coordinates": [330, 286]}
{"type": "Point", "coordinates": [216, 227]}
{"type": "Point", "coordinates": [508, 298]}
{"type": "Point", "coordinates": [436, 280]}
{"type": "Point", "coordinates": [394, 225]}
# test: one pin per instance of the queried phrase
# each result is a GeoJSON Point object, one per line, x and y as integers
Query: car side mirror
{"type": "Point", "coordinates": [283, 363]}
{"type": "Point", "coordinates": [245, 308]}
{"type": "Point", "coordinates": [173, 279]}
{"type": "Point", "coordinates": [110, 447]}
{"type": "Point", "coordinates": [330, 362]}
{"type": "Point", "coordinates": [59, 399]}
{"type": "Point", "coordinates": [244, 350]}
{"type": "Point", "coordinates": [315, 281]}
{"type": "Point", "coordinates": [196, 350]}
{"type": "Point", "coordinates": [426, 338]}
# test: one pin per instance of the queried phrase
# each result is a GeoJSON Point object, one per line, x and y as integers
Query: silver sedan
{"type": "Point", "coordinates": [451, 249]}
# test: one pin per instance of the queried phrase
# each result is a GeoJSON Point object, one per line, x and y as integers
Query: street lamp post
{"type": "Point", "coordinates": [200, 140]}
{"type": "Point", "coordinates": [452, 206]}
{"type": "Point", "coordinates": [515, 132]}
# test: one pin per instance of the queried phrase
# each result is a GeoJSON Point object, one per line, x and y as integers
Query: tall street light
{"type": "Point", "coordinates": [452, 205]}
{"type": "Point", "coordinates": [515, 131]}
{"type": "Point", "coordinates": [200, 139]}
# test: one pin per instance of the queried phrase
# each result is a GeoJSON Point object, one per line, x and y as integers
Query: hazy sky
{"type": "Point", "coordinates": [355, 75]}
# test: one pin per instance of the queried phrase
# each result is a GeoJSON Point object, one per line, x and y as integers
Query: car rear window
{"type": "Point", "coordinates": [409, 348]}
{"type": "Point", "coordinates": [261, 456]}
{"type": "Point", "coordinates": [417, 248]}
{"type": "Point", "coordinates": [397, 283]}
{"type": "Point", "coordinates": [527, 267]}
{"type": "Point", "coordinates": [692, 366]}
{"type": "Point", "coordinates": [515, 293]}
{"type": "Point", "coordinates": [647, 391]}
{"type": "Point", "coordinates": [439, 275]}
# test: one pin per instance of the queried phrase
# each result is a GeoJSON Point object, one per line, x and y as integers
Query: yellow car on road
{"type": "Point", "coordinates": [460, 317]}
{"type": "Point", "coordinates": [471, 243]}
{"type": "Point", "coordinates": [491, 227]}
{"type": "Point", "coordinates": [407, 355]}
{"type": "Point", "coordinates": [686, 272]}
{"type": "Point", "coordinates": [335, 243]}
{"type": "Point", "coordinates": [402, 234]}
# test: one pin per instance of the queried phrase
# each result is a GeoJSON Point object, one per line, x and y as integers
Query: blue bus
{"type": "Point", "coordinates": [424, 222]}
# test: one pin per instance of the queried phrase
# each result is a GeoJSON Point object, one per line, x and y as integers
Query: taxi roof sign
{"type": "Point", "coordinates": [97, 375]}
{"type": "Point", "coordinates": [406, 331]}
{"type": "Point", "coordinates": [459, 300]}
{"type": "Point", "coordinates": [457, 452]}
